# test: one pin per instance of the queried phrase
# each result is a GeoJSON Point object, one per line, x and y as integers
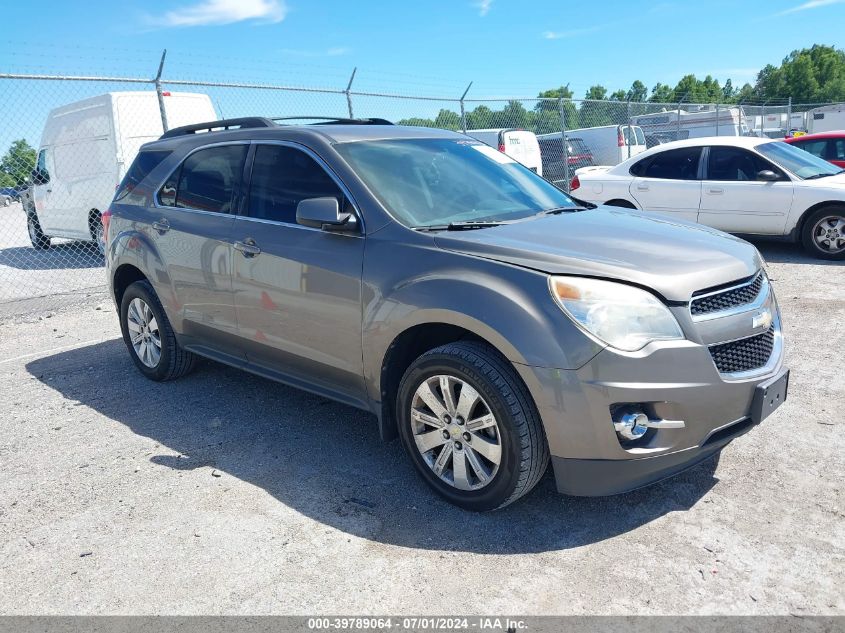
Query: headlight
{"type": "Point", "coordinates": [620, 315]}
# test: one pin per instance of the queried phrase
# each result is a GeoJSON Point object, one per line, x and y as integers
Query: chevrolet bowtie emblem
{"type": "Point", "coordinates": [762, 319]}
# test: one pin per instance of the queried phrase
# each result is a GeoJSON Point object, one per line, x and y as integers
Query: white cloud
{"type": "Point", "coordinates": [563, 35]}
{"type": "Point", "coordinates": [483, 7]}
{"type": "Point", "coordinates": [810, 4]}
{"type": "Point", "coordinates": [335, 51]}
{"type": "Point", "coordinates": [215, 12]}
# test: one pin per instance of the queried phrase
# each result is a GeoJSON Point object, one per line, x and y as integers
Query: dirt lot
{"type": "Point", "coordinates": [226, 493]}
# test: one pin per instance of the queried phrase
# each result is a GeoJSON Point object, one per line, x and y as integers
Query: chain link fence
{"type": "Point", "coordinates": [67, 142]}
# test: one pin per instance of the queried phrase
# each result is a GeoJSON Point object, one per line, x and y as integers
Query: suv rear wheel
{"type": "Point", "coordinates": [823, 233]}
{"type": "Point", "coordinates": [470, 427]}
{"type": "Point", "coordinates": [149, 336]}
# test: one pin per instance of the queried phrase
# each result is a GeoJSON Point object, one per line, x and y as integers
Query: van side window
{"type": "Point", "coordinates": [206, 181]}
{"type": "Point", "coordinates": [676, 164]}
{"type": "Point", "coordinates": [282, 177]}
{"type": "Point", "coordinates": [41, 171]}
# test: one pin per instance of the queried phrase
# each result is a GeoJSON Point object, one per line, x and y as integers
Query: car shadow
{"type": "Point", "coordinates": [326, 461]}
{"type": "Point", "coordinates": [70, 256]}
{"type": "Point", "coordinates": [788, 253]}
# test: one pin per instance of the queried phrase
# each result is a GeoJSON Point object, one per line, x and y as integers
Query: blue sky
{"type": "Point", "coordinates": [506, 47]}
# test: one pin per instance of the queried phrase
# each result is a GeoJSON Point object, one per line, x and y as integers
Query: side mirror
{"type": "Point", "coordinates": [768, 175]}
{"type": "Point", "coordinates": [39, 177]}
{"type": "Point", "coordinates": [324, 213]}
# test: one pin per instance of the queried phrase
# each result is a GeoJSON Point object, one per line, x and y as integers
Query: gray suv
{"type": "Point", "coordinates": [487, 319]}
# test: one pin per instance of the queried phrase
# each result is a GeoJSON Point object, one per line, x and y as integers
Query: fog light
{"type": "Point", "coordinates": [631, 426]}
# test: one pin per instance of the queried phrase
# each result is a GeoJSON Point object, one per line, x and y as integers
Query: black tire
{"type": "Point", "coordinates": [525, 453]}
{"type": "Point", "coordinates": [174, 361]}
{"type": "Point", "coordinates": [95, 227]}
{"type": "Point", "coordinates": [39, 241]}
{"type": "Point", "coordinates": [811, 226]}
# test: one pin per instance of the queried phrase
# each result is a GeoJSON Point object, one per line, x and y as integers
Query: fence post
{"type": "Point", "coordinates": [563, 143]}
{"type": "Point", "coordinates": [717, 119]}
{"type": "Point", "coordinates": [349, 96]}
{"type": "Point", "coordinates": [789, 116]}
{"type": "Point", "coordinates": [678, 122]}
{"type": "Point", "coordinates": [463, 111]}
{"type": "Point", "coordinates": [159, 93]}
{"type": "Point", "coordinates": [763, 119]}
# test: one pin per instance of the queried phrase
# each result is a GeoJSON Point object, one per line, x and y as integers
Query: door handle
{"type": "Point", "coordinates": [642, 187]}
{"type": "Point", "coordinates": [247, 247]}
{"type": "Point", "coordinates": [716, 191]}
{"type": "Point", "coordinates": [162, 226]}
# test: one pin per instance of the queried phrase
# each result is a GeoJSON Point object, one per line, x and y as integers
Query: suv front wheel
{"type": "Point", "coordinates": [470, 427]}
{"type": "Point", "coordinates": [149, 336]}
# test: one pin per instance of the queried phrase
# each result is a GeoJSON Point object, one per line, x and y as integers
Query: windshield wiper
{"type": "Point", "coordinates": [557, 210]}
{"type": "Point", "coordinates": [459, 226]}
{"type": "Point", "coordinates": [814, 176]}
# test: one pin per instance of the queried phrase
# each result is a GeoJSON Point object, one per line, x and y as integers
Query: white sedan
{"type": "Point", "coordinates": [744, 185]}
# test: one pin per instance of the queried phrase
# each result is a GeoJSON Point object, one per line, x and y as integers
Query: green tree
{"type": "Point", "coordinates": [593, 113]}
{"type": "Point", "coordinates": [661, 93]}
{"type": "Point", "coordinates": [637, 92]}
{"type": "Point", "coordinates": [448, 120]}
{"type": "Point", "coordinates": [17, 164]}
{"type": "Point", "coordinates": [814, 74]}
{"type": "Point", "coordinates": [547, 113]}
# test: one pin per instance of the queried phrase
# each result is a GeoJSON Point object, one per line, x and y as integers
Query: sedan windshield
{"type": "Point", "coordinates": [801, 163]}
{"type": "Point", "coordinates": [436, 182]}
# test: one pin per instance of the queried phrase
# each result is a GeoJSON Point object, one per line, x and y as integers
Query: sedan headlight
{"type": "Point", "coordinates": [623, 316]}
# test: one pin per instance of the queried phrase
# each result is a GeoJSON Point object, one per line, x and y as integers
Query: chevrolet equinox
{"type": "Point", "coordinates": [489, 320]}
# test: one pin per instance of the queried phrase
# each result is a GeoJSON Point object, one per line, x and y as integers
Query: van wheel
{"type": "Point", "coordinates": [149, 336]}
{"type": "Point", "coordinates": [39, 241]}
{"type": "Point", "coordinates": [95, 226]}
{"type": "Point", "coordinates": [823, 233]}
{"type": "Point", "coordinates": [470, 427]}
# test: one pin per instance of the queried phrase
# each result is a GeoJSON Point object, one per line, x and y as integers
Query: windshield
{"type": "Point", "coordinates": [427, 182]}
{"type": "Point", "coordinates": [801, 163]}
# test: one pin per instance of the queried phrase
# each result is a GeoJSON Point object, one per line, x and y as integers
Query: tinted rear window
{"type": "Point", "coordinates": [141, 167]}
{"type": "Point", "coordinates": [676, 164]}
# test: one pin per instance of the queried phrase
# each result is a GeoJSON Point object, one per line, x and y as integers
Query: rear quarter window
{"type": "Point", "coordinates": [141, 167]}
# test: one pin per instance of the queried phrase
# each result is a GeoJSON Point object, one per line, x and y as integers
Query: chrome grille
{"type": "Point", "coordinates": [730, 298]}
{"type": "Point", "coordinates": [745, 354]}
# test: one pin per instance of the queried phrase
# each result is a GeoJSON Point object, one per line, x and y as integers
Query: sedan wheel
{"type": "Point", "coordinates": [144, 333]}
{"type": "Point", "coordinates": [456, 432]}
{"type": "Point", "coordinates": [829, 234]}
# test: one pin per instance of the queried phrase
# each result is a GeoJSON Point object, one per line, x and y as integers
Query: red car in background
{"type": "Point", "coordinates": [827, 145]}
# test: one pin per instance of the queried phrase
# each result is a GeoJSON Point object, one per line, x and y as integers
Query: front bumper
{"type": "Point", "coordinates": [673, 380]}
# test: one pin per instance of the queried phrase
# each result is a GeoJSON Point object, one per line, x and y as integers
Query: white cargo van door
{"type": "Point", "coordinates": [667, 183]}
{"type": "Point", "coordinates": [523, 147]}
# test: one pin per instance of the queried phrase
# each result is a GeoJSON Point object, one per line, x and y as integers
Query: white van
{"type": "Point", "coordinates": [611, 144]}
{"type": "Point", "coordinates": [86, 148]}
{"type": "Point", "coordinates": [521, 145]}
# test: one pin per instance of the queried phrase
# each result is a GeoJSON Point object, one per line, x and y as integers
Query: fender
{"type": "Point", "coordinates": [500, 298]}
{"type": "Point", "coordinates": [135, 248]}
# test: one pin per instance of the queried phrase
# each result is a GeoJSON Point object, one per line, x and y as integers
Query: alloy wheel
{"type": "Point", "coordinates": [456, 432]}
{"type": "Point", "coordinates": [143, 332]}
{"type": "Point", "coordinates": [829, 234]}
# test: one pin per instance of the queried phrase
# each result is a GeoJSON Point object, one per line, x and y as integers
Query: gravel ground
{"type": "Point", "coordinates": [226, 493]}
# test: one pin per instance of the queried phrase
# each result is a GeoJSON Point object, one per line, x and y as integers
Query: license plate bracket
{"type": "Point", "coordinates": [768, 396]}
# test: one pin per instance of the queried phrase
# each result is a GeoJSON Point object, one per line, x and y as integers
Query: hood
{"type": "Point", "coordinates": [836, 181]}
{"type": "Point", "coordinates": [671, 257]}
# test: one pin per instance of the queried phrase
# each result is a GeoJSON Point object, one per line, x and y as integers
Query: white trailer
{"type": "Point", "coordinates": [826, 118]}
{"type": "Point", "coordinates": [674, 125]}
